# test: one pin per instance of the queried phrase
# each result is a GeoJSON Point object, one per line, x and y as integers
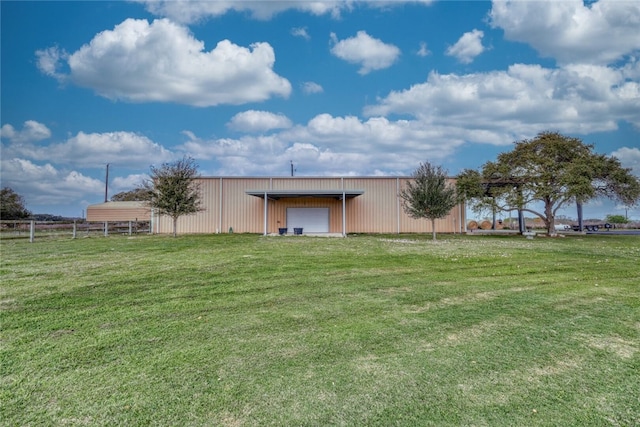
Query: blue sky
{"type": "Point", "coordinates": [337, 88]}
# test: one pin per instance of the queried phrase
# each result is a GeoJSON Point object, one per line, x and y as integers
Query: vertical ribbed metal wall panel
{"type": "Point", "coordinates": [205, 221]}
{"type": "Point", "coordinates": [118, 211]}
{"type": "Point", "coordinates": [241, 212]}
{"type": "Point", "coordinates": [375, 210]}
{"type": "Point", "coordinates": [306, 183]}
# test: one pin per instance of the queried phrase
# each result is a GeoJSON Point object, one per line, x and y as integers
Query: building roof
{"type": "Point", "coordinates": [119, 205]}
{"type": "Point", "coordinates": [281, 194]}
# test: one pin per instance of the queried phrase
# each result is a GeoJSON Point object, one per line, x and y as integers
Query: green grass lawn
{"type": "Point", "coordinates": [243, 330]}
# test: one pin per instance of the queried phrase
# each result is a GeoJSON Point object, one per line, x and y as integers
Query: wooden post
{"type": "Point", "coordinates": [32, 231]}
{"type": "Point", "coordinates": [106, 229]}
{"type": "Point", "coordinates": [129, 228]}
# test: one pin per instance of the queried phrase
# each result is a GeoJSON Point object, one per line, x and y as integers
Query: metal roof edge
{"type": "Point", "coordinates": [315, 177]}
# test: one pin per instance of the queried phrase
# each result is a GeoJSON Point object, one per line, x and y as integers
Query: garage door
{"type": "Point", "coordinates": [311, 220]}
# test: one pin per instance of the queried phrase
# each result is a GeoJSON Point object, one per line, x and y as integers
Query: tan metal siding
{"type": "Point", "coordinates": [375, 210]}
{"type": "Point", "coordinates": [118, 211]}
{"type": "Point", "coordinates": [304, 183]}
{"type": "Point", "coordinates": [243, 213]}
{"type": "Point", "coordinates": [205, 221]}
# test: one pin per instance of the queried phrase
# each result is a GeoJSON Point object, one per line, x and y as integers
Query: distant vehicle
{"type": "Point", "coordinates": [562, 227]}
{"type": "Point", "coordinates": [594, 227]}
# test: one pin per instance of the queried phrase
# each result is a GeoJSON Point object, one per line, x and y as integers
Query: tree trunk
{"type": "Point", "coordinates": [521, 225]}
{"type": "Point", "coordinates": [433, 228]}
{"type": "Point", "coordinates": [175, 226]}
{"type": "Point", "coordinates": [549, 219]}
{"type": "Point", "coordinates": [580, 221]}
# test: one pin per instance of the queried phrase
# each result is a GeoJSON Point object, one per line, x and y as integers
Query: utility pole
{"type": "Point", "coordinates": [291, 161]}
{"type": "Point", "coordinates": [106, 185]}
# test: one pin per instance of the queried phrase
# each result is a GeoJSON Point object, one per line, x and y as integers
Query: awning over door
{"type": "Point", "coordinates": [342, 195]}
{"type": "Point", "coordinates": [281, 194]}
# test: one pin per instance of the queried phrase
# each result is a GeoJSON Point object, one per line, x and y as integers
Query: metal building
{"type": "Point", "coordinates": [118, 211]}
{"type": "Point", "coordinates": [337, 205]}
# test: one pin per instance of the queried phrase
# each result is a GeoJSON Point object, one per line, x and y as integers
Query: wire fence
{"type": "Point", "coordinates": [32, 230]}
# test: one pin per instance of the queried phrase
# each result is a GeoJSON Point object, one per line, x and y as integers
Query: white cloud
{"type": "Point", "coordinates": [117, 148]}
{"type": "Point", "coordinates": [32, 131]}
{"type": "Point", "coordinates": [188, 11]}
{"type": "Point", "coordinates": [372, 54]}
{"type": "Point", "coordinates": [329, 145]}
{"type": "Point", "coordinates": [44, 184]}
{"type": "Point", "coordinates": [37, 171]}
{"type": "Point", "coordinates": [248, 155]}
{"type": "Point", "coordinates": [163, 62]}
{"type": "Point", "coordinates": [258, 121]}
{"type": "Point", "coordinates": [387, 145]}
{"type": "Point", "coordinates": [95, 149]}
{"type": "Point", "coordinates": [570, 30]}
{"type": "Point", "coordinates": [502, 106]}
{"type": "Point", "coordinates": [49, 60]}
{"type": "Point", "coordinates": [21, 170]}
{"type": "Point", "coordinates": [467, 47]}
{"type": "Point", "coordinates": [629, 158]}
{"type": "Point", "coordinates": [311, 88]}
{"type": "Point", "coordinates": [423, 51]}
{"type": "Point", "coordinates": [126, 183]}
{"type": "Point", "coordinates": [300, 32]}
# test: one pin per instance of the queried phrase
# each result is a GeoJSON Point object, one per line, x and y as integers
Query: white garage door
{"type": "Point", "coordinates": [311, 220]}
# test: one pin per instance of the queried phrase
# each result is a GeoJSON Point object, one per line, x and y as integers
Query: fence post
{"type": "Point", "coordinates": [129, 228]}
{"type": "Point", "coordinates": [106, 229]}
{"type": "Point", "coordinates": [32, 231]}
{"type": "Point", "coordinates": [74, 228]}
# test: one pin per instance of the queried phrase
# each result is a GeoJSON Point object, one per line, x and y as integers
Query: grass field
{"type": "Point", "coordinates": [243, 330]}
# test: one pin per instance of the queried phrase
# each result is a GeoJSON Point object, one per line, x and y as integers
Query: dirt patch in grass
{"type": "Point", "coordinates": [474, 332]}
{"type": "Point", "coordinates": [395, 291]}
{"type": "Point", "coordinates": [499, 388]}
{"type": "Point", "coordinates": [62, 332]}
{"type": "Point", "coordinates": [557, 368]}
{"type": "Point", "coordinates": [453, 301]}
{"type": "Point", "coordinates": [229, 420]}
{"type": "Point", "coordinates": [7, 304]}
{"type": "Point", "coordinates": [620, 347]}
{"type": "Point", "coordinates": [465, 299]}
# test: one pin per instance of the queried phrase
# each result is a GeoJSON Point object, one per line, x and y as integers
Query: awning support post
{"type": "Point", "coordinates": [265, 213]}
{"type": "Point", "coordinates": [344, 209]}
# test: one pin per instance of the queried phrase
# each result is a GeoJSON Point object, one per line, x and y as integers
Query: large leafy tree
{"type": "Point", "coordinates": [12, 205]}
{"type": "Point", "coordinates": [550, 171]}
{"type": "Point", "coordinates": [428, 195]}
{"type": "Point", "coordinates": [172, 189]}
{"type": "Point", "coordinates": [135, 195]}
{"type": "Point", "coordinates": [616, 219]}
